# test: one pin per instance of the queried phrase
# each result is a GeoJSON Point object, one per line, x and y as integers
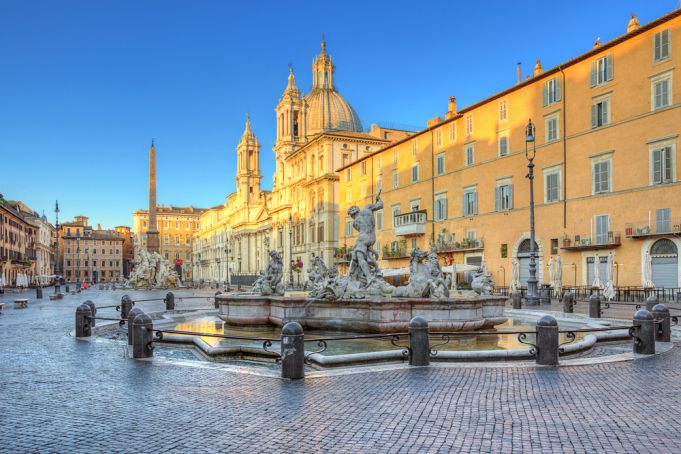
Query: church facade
{"type": "Point", "coordinates": [299, 217]}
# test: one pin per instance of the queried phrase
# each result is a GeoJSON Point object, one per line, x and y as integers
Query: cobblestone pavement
{"type": "Point", "coordinates": [59, 394]}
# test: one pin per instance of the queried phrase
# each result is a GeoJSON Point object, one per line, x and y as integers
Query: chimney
{"type": "Point", "coordinates": [99, 226]}
{"type": "Point", "coordinates": [434, 121]}
{"type": "Point", "coordinates": [519, 77]}
{"type": "Point", "coordinates": [451, 109]}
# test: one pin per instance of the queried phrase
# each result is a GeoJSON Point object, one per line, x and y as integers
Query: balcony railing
{"type": "Point", "coordinates": [410, 224]}
{"type": "Point", "coordinates": [390, 254]}
{"type": "Point", "coordinates": [646, 229]}
{"type": "Point", "coordinates": [456, 246]}
{"type": "Point", "coordinates": [584, 242]}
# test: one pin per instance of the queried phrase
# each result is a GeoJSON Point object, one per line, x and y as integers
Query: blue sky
{"type": "Point", "coordinates": [85, 85]}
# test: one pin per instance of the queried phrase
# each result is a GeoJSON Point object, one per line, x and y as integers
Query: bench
{"type": "Point", "coordinates": [20, 304]}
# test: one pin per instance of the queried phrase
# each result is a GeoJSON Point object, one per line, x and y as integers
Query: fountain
{"type": "Point", "coordinates": [362, 301]}
{"type": "Point", "coordinates": [152, 271]}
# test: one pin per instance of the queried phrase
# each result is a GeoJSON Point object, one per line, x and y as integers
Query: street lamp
{"type": "Point", "coordinates": [227, 262]}
{"type": "Point", "coordinates": [290, 244]}
{"type": "Point", "coordinates": [57, 287]}
{"type": "Point", "coordinates": [532, 297]}
{"type": "Point", "coordinates": [78, 258]}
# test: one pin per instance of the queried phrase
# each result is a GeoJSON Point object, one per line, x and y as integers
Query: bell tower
{"type": "Point", "coordinates": [248, 166]}
{"type": "Point", "coordinates": [290, 115]}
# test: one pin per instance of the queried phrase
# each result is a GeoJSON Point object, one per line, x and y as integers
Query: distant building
{"type": "Point", "coordinates": [176, 226]}
{"type": "Point", "coordinates": [90, 255]}
{"type": "Point", "coordinates": [17, 244]}
{"type": "Point", "coordinates": [44, 245]}
{"type": "Point", "coordinates": [128, 248]}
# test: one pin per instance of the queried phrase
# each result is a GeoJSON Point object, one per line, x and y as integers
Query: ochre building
{"type": "Point", "coordinates": [316, 133]}
{"type": "Point", "coordinates": [606, 170]}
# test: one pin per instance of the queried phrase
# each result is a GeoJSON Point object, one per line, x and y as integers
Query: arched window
{"type": "Point", "coordinates": [524, 247]}
{"type": "Point", "coordinates": [664, 247]}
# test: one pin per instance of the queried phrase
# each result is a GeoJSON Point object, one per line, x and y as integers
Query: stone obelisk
{"type": "Point", "coordinates": [153, 239]}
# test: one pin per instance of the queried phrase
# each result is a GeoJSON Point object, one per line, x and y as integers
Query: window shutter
{"type": "Point", "coordinates": [475, 203]}
{"type": "Point", "coordinates": [594, 115]}
{"type": "Point", "coordinates": [605, 176]}
{"type": "Point", "coordinates": [605, 114]}
{"type": "Point", "coordinates": [657, 48]}
{"type": "Point", "coordinates": [663, 45]}
{"type": "Point", "coordinates": [610, 68]}
{"type": "Point", "coordinates": [510, 196]}
{"type": "Point", "coordinates": [444, 210]}
{"type": "Point", "coordinates": [667, 151]}
{"type": "Point", "coordinates": [558, 89]}
{"type": "Point", "coordinates": [497, 201]}
{"type": "Point", "coordinates": [464, 205]}
{"type": "Point", "coordinates": [657, 166]}
{"type": "Point", "coordinates": [593, 74]}
{"type": "Point", "coordinates": [545, 94]}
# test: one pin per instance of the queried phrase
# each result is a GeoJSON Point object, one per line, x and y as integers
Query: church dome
{"type": "Point", "coordinates": [326, 109]}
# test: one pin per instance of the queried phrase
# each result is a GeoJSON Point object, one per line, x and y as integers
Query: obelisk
{"type": "Point", "coordinates": [153, 240]}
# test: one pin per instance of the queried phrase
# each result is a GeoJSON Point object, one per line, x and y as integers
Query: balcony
{"type": "Point", "coordinates": [393, 254]}
{"type": "Point", "coordinates": [644, 229]}
{"type": "Point", "coordinates": [466, 245]}
{"type": "Point", "coordinates": [587, 243]}
{"type": "Point", "coordinates": [410, 224]}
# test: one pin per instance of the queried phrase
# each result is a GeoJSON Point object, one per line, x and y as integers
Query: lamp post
{"type": "Point", "coordinates": [532, 297]}
{"type": "Point", "coordinates": [227, 262]}
{"type": "Point", "coordinates": [57, 287]}
{"type": "Point", "coordinates": [290, 244]}
{"type": "Point", "coordinates": [78, 259]}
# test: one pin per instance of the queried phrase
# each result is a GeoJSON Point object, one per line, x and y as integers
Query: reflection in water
{"type": "Point", "coordinates": [211, 325]}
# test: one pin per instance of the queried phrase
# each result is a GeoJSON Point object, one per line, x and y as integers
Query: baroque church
{"type": "Point", "coordinates": [317, 133]}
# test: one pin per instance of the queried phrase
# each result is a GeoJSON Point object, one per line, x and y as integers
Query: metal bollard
{"type": "Point", "coordinates": [547, 341]}
{"type": "Point", "coordinates": [292, 351]}
{"type": "Point", "coordinates": [419, 344]}
{"type": "Point", "coordinates": [568, 303]}
{"type": "Point", "coordinates": [595, 306]}
{"type": "Point", "coordinates": [643, 332]}
{"type": "Point", "coordinates": [39, 293]}
{"type": "Point", "coordinates": [663, 331]}
{"type": "Point", "coordinates": [651, 301]}
{"type": "Point", "coordinates": [83, 327]}
{"type": "Point", "coordinates": [170, 301]}
{"type": "Point", "coordinates": [217, 306]}
{"type": "Point", "coordinates": [126, 305]}
{"type": "Point", "coordinates": [134, 312]}
{"type": "Point", "coordinates": [93, 309]}
{"type": "Point", "coordinates": [142, 336]}
{"type": "Point", "coordinates": [517, 299]}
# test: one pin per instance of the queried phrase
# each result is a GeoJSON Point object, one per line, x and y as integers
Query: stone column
{"type": "Point", "coordinates": [547, 341]}
{"type": "Point", "coordinates": [595, 306]}
{"type": "Point", "coordinates": [170, 301]}
{"type": "Point", "coordinates": [292, 351]}
{"type": "Point", "coordinates": [644, 332]}
{"type": "Point", "coordinates": [516, 298]}
{"type": "Point", "coordinates": [93, 309]}
{"type": "Point", "coordinates": [419, 345]}
{"type": "Point", "coordinates": [663, 331]}
{"type": "Point", "coordinates": [142, 336]}
{"type": "Point", "coordinates": [126, 305]}
{"type": "Point", "coordinates": [651, 301]}
{"type": "Point", "coordinates": [83, 327]}
{"type": "Point", "coordinates": [134, 312]}
{"type": "Point", "coordinates": [568, 303]}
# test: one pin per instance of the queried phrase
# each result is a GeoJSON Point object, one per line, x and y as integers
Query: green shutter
{"type": "Point", "coordinates": [667, 163]}
{"type": "Point", "coordinates": [545, 94]}
{"type": "Point", "coordinates": [475, 202]}
{"type": "Point", "coordinates": [611, 67]}
{"type": "Point", "coordinates": [510, 196]}
{"type": "Point", "coordinates": [497, 201]}
{"type": "Point", "coordinates": [593, 74]}
{"type": "Point", "coordinates": [558, 90]}
{"type": "Point", "coordinates": [594, 115]}
{"type": "Point", "coordinates": [464, 205]}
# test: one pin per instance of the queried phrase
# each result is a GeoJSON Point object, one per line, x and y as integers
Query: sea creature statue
{"type": "Point", "coordinates": [269, 282]}
{"type": "Point", "coordinates": [364, 278]}
{"type": "Point", "coordinates": [317, 272]}
{"type": "Point", "coordinates": [151, 270]}
{"type": "Point", "coordinates": [482, 282]}
{"type": "Point", "coordinates": [439, 283]}
{"type": "Point", "coordinates": [426, 279]}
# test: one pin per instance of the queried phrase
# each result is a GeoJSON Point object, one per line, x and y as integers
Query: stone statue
{"type": "Point", "coordinates": [317, 272]}
{"type": "Point", "coordinates": [482, 282]}
{"type": "Point", "coordinates": [269, 282]}
{"type": "Point", "coordinates": [152, 271]}
{"type": "Point", "coordinates": [426, 279]}
{"type": "Point", "coordinates": [363, 257]}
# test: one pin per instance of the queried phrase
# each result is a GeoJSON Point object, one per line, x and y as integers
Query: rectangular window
{"type": "Point", "coordinates": [440, 164]}
{"type": "Point", "coordinates": [602, 71]}
{"type": "Point", "coordinates": [470, 234]}
{"type": "Point", "coordinates": [378, 162]}
{"type": "Point", "coordinates": [452, 132]}
{"type": "Point", "coordinates": [348, 174]}
{"type": "Point", "coordinates": [552, 185]}
{"type": "Point", "coordinates": [602, 229]}
{"type": "Point", "coordinates": [662, 165]}
{"type": "Point", "coordinates": [469, 124]}
{"type": "Point", "coordinates": [554, 246]}
{"type": "Point", "coordinates": [600, 113]}
{"type": "Point", "coordinates": [348, 227]}
{"type": "Point", "coordinates": [363, 167]}
{"type": "Point", "coordinates": [415, 173]}
{"type": "Point", "coordinates": [363, 190]}
{"type": "Point", "coordinates": [551, 92]}
{"type": "Point", "coordinates": [503, 196]}
{"type": "Point", "coordinates": [662, 45]}
{"type": "Point", "coordinates": [348, 194]}
{"type": "Point", "coordinates": [395, 182]}
{"type": "Point", "coordinates": [470, 202]}
{"type": "Point", "coordinates": [414, 146]}
{"type": "Point", "coordinates": [440, 208]}
{"type": "Point", "coordinates": [438, 137]}
{"type": "Point", "coordinates": [395, 156]}
{"type": "Point", "coordinates": [470, 154]}
{"type": "Point", "coordinates": [660, 91]}
{"type": "Point", "coordinates": [552, 131]}
{"type": "Point", "coordinates": [503, 111]}
{"type": "Point", "coordinates": [379, 184]}
{"type": "Point", "coordinates": [601, 176]}
{"type": "Point", "coordinates": [663, 220]}
{"type": "Point", "coordinates": [379, 219]}
{"type": "Point", "coordinates": [320, 232]}
{"type": "Point", "coordinates": [395, 212]}
{"type": "Point", "coordinates": [503, 144]}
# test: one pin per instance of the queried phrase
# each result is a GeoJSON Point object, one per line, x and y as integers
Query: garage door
{"type": "Point", "coordinates": [664, 255]}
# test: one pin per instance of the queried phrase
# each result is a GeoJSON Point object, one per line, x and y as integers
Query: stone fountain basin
{"type": "Point", "coordinates": [370, 315]}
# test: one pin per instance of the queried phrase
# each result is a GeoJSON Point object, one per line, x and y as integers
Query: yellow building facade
{"type": "Point", "coordinates": [316, 133]}
{"type": "Point", "coordinates": [606, 173]}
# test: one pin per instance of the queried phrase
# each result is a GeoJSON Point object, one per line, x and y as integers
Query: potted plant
{"type": "Point", "coordinates": [566, 240]}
